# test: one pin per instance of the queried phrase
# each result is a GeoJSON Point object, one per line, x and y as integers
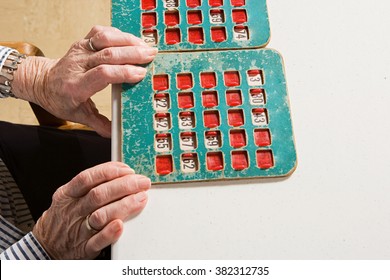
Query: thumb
{"type": "Point", "coordinates": [101, 124]}
{"type": "Point", "coordinates": [98, 122]}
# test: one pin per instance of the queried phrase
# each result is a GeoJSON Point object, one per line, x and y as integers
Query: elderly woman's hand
{"type": "Point", "coordinates": [64, 87]}
{"type": "Point", "coordinates": [100, 198]}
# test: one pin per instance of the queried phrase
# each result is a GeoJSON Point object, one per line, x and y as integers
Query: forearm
{"type": "Point", "coordinates": [21, 77]}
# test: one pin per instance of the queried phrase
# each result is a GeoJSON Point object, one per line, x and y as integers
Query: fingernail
{"type": "Point", "coordinates": [143, 183]}
{"type": "Point", "coordinates": [141, 196]}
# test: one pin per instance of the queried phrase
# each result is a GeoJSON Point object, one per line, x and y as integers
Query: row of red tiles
{"type": "Point", "coordinates": [194, 17]}
{"type": "Point", "coordinates": [207, 80]}
{"type": "Point", "coordinates": [195, 35]}
{"type": "Point", "coordinates": [214, 161]}
{"type": "Point", "coordinates": [151, 4]}
{"type": "Point", "coordinates": [212, 119]}
{"type": "Point", "coordinates": [237, 138]}
{"type": "Point", "coordinates": [210, 99]}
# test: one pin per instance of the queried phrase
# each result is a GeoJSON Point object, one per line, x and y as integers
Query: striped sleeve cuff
{"type": "Point", "coordinates": [4, 53]}
{"type": "Point", "coordinates": [27, 248]}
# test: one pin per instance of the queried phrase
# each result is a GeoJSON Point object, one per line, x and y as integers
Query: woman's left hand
{"type": "Point", "coordinates": [64, 87]}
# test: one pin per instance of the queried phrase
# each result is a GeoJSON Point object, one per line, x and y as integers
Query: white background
{"type": "Point", "coordinates": [337, 203]}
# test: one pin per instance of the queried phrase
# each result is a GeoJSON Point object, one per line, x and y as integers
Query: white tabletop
{"type": "Point", "coordinates": [336, 205]}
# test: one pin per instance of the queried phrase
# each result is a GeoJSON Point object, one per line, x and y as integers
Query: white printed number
{"type": "Point", "coordinates": [259, 118]}
{"type": "Point", "coordinates": [186, 122]}
{"type": "Point", "coordinates": [216, 18]}
{"type": "Point", "coordinates": [149, 38]}
{"type": "Point", "coordinates": [255, 79]}
{"type": "Point", "coordinates": [161, 123]}
{"type": "Point", "coordinates": [188, 165]}
{"type": "Point", "coordinates": [187, 143]}
{"type": "Point", "coordinates": [212, 142]}
{"type": "Point", "coordinates": [162, 145]}
{"type": "Point", "coordinates": [170, 4]}
{"type": "Point", "coordinates": [257, 99]}
{"type": "Point", "coordinates": [240, 34]}
{"type": "Point", "coordinates": [161, 104]}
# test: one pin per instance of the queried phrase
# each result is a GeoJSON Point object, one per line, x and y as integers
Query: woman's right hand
{"type": "Point", "coordinates": [106, 195]}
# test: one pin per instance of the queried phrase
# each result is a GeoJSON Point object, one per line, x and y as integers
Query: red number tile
{"type": "Point", "coordinates": [193, 3]}
{"type": "Point", "coordinates": [239, 16]}
{"type": "Point", "coordinates": [215, 3]}
{"type": "Point", "coordinates": [232, 79]}
{"type": "Point", "coordinates": [186, 100]}
{"type": "Point", "coordinates": [237, 3]}
{"type": "Point", "coordinates": [236, 117]}
{"type": "Point", "coordinates": [213, 139]}
{"type": "Point", "coordinates": [164, 164]}
{"type": "Point", "coordinates": [214, 161]}
{"type": "Point", "coordinates": [237, 138]}
{"type": "Point", "coordinates": [264, 159]}
{"type": "Point", "coordinates": [218, 34]}
{"type": "Point", "coordinates": [184, 81]}
{"type": "Point", "coordinates": [195, 35]}
{"type": "Point", "coordinates": [233, 97]}
{"type": "Point", "coordinates": [160, 82]}
{"type": "Point", "coordinates": [194, 17]}
{"type": "Point", "coordinates": [208, 79]}
{"type": "Point", "coordinates": [150, 36]}
{"type": "Point", "coordinates": [240, 160]}
{"type": "Point", "coordinates": [211, 119]}
{"type": "Point", "coordinates": [217, 16]}
{"type": "Point", "coordinates": [172, 36]}
{"type": "Point", "coordinates": [189, 162]}
{"type": "Point", "coordinates": [262, 137]}
{"type": "Point", "coordinates": [171, 18]}
{"type": "Point", "coordinates": [148, 4]}
{"type": "Point", "coordinates": [149, 20]}
{"type": "Point", "coordinates": [209, 99]}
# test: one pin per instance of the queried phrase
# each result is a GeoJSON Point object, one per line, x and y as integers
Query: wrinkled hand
{"type": "Point", "coordinates": [64, 87]}
{"type": "Point", "coordinates": [109, 192]}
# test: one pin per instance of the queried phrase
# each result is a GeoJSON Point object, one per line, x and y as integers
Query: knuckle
{"type": "Point", "coordinates": [56, 197]}
{"type": "Point", "coordinates": [106, 54]}
{"type": "Point", "coordinates": [115, 29]}
{"type": "Point", "coordinates": [97, 196]}
{"type": "Point", "coordinates": [82, 179]}
{"type": "Point", "coordinates": [97, 28]}
{"type": "Point", "coordinates": [103, 37]}
{"type": "Point", "coordinates": [101, 73]}
{"type": "Point", "coordinates": [98, 218]}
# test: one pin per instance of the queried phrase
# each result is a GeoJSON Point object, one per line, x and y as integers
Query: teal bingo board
{"type": "Point", "coordinates": [209, 115]}
{"type": "Point", "coordinates": [187, 25]}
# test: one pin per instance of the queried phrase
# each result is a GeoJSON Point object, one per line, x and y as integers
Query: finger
{"type": "Point", "coordinates": [122, 55]}
{"type": "Point", "coordinates": [90, 178]}
{"type": "Point", "coordinates": [107, 36]}
{"type": "Point", "coordinates": [100, 28]}
{"type": "Point", "coordinates": [101, 124]}
{"type": "Point", "coordinates": [122, 209]}
{"type": "Point", "coordinates": [98, 78]}
{"type": "Point", "coordinates": [104, 238]}
{"type": "Point", "coordinates": [113, 190]}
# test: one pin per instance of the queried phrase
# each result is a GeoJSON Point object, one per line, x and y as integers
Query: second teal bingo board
{"type": "Point", "coordinates": [187, 25]}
